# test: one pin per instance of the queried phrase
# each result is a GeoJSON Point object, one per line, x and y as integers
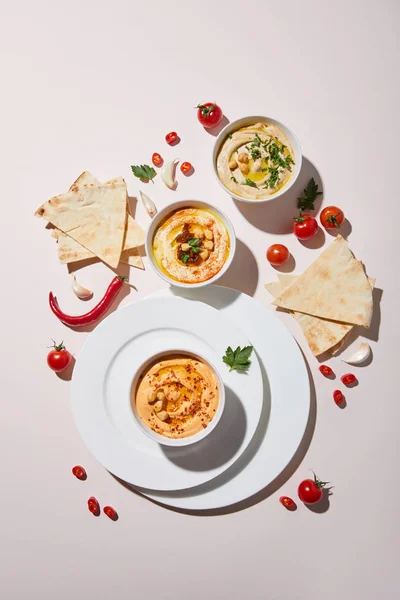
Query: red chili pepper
{"type": "Point", "coordinates": [186, 167]}
{"type": "Point", "coordinates": [96, 312]}
{"type": "Point", "coordinates": [79, 472]}
{"type": "Point", "coordinates": [325, 370]}
{"type": "Point", "coordinates": [111, 513]}
{"type": "Point", "coordinates": [157, 159]}
{"type": "Point", "coordinates": [171, 137]}
{"type": "Point", "coordinates": [338, 397]}
{"type": "Point", "coordinates": [94, 506]}
{"type": "Point", "coordinates": [287, 502]}
{"type": "Point", "coordinates": [348, 378]}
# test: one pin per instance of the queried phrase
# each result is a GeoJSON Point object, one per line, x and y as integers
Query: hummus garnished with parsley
{"type": "Point", "coordinates": [191, 245]}
{"type": "Point", "coordinates": [256, 161]}
{"type": "Point", "coordinates": [177, 397]}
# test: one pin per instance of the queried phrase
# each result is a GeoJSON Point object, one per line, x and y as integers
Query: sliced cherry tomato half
{"type": "Point", "coordinates": [157, 159]}
{"type": "Point", "coordinates": [110, 512]}
{"type": "Point", "coordinates": [186, 167]}
{"type": "Point", "coordinates": [348, 379]}
{"type": "Point", "coordinates": [79, 472]}
{"type": "Point", "coordinates": [331, 217]}
{"type": "Point", "coordinates": [94, 506]}
{"type": "Point", "coordinates": [277, 255]}
{"type": "Point", "coordinates": [325, 370]}
{"type": "Point", "coordinates": [338, 397]}
{"type": "Point", "coordinates": [287, 502]}
{"type": "Point", "coordinates": [171, 137]}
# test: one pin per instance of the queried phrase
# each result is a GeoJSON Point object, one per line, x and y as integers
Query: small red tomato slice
{"type": "Point", "coordinates": [277, 255]}
{"type": "Point", "coordinates": [338, 397]}
{"type": "Point", "coordinates": [110, 512]}
{"type": "Point", "coordinates": [94, 506]}
{"type": "Point", "coordinates": [157, 159]}
{"type": "Point", "coordinates": [305, 227]}
{"type": "Point", "coordinates": [79, 472]}
{"type": "Point", "coordinates": [59, 358]}
{"type": "Point", "coordinates": [287, 502]}
{"type": "Point", "coordinates": [331, 217]}
{"type": "Point", "coordinates": [325, 370]}
{"type": "Point", "coordinates": [186, 167]}
{"type": "Point", "coordinates": [348, 379]}
{"type": "Point", "coordinates": [171, 137]}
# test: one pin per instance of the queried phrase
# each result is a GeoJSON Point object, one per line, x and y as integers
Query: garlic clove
{"type": "Point", "coordinates": [79, 291]}
{"type": "Point", "coordinates": [168, 173]}
{"type": "Point", "coordinates": [360, 356]}
{"type": "Point", "coordinates": [148, 204]}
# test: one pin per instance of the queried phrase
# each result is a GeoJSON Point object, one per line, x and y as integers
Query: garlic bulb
{"type": "Point", "coordinates": [80, 291]}
{"type": "Point", "coordinates": [148, 204]}
{"type": "Point", "coordinates": [168, 174]}
{"type": "Point", "coordinates": [360, 356]}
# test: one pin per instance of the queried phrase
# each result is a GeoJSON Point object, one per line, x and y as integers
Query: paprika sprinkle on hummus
{"type": "Point", "coordinates": [177, 397]}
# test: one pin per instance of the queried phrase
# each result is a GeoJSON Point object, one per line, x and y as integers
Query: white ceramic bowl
{"type": "Point", "coordinates": [160, 439]}
{"type": "Point", "coordinates": [234, 126]}
{"type": "Point", "coordinates": [163, 214]}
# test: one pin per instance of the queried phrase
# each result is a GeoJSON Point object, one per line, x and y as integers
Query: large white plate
{"type": "Point", "coordinates": [283, 420]}
{"type": "Point", "coordinates": [102, 381]}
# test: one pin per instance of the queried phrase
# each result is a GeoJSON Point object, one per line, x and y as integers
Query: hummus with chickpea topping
{"type": "Point", "coordinates": [191, 245]}
{"type": "Point", "coordinates": [256, 161]}
{"type": "Point", "coordinates": [177, 397]}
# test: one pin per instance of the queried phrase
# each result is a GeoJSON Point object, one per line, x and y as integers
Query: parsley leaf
{"type": "Point", "coordinates": [310, 194]}
{"type": "Point", "coordinates": [144, 172]}
{"type": "Point", "coordinates": [194, 244]}
{"type": "Point", "coordinates": [255, 153]}
{"type": "Point", "coordinates": [230, 136]}
{"type": "Point", "coordinates": [250, 183]}
{"type": "Point", "coordinates": [257, 141]}
{"type": "Point", "coordinates": [184, 258]}
{"type": "Point", "coordinates": [234, 179]}
{"type": "Point", "coordinates": [238, 359]}
{"type": "Point", "coordinates": [273, 178]}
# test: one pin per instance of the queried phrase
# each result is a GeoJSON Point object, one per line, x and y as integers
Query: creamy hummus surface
{"type": "Point", "coordinates": [177, 397]}
{"type": "Point", "coordinates": [256, 161]}
{"type": "Point", "coordinates": [191, 245]}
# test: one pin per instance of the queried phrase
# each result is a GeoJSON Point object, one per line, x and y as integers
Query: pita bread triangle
{"type": "Point", "coordinates": [333, 287]}
{"type": "Point", "coordinates": [92, 215]}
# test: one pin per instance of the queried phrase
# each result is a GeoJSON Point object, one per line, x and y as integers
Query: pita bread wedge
{"type": "Point", "coordinates": [334, 287]}
{"type": "Point", "coordinates": [93, 215]}
{"type": "Point", "coordinates": [321, 334]}
{"type": "Point", "coordinates": [132, 258]}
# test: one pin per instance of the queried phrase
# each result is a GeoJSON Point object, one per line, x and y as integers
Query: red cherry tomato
{"type": "Point", "coordinates": [79, 472]}
{"type": "Point", "coordinates": [277, 255]}
{"type": "Point", "coordinates": [94, 506]}
{"type": "Point", "coordinates": [157, 159]}
{"type": "Point", "coordinates": [59, 358]}
{"type": "Point", "coordinates": [305, 227]}
{"type": "Point", "coordinates": [171, 137]}
{"type": "Point", "coordinates": [331, 217]}
{"type": "Point", "coordinates": [325, 370]}
{"type": "Point", "coordinates": [338, 397]}
{"type": "Point", "coordinates": [209, 114]}
{"type": "Point", "coordinates": [186, 167]}
{"type": "Point", "coordinates": [110, 512]}
{"type": "Point", "coordinates": [348, 379]}
{"type": "Point", "coordinates": [287, 502]}
{"type": "Point", "coordinates": [310, 490]}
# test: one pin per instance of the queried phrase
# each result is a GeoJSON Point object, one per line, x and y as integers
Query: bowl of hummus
{"type": "Point", "coordinates": [190, 243]}
{"type": "Point", "coordinates": [256, 159]}
{"type": "Point", "coordinates": [177, 398]}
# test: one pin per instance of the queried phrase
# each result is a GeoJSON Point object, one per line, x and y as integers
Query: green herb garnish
{"type": "Point", "coordinates": [274, 177]}
{"type": "Point", "coordinates": [184, 258]}
{"type": "Point", "coordinates": [257, 141]}
{"type": "Point", "coordinates": [310, 194]}
{"type": "Point", "coordinates": [250, 183]}
{"type": "Point", "coordinates": [255, 153]}
{"type": "Point", "coordinates": [239, 359]}
{"type": "Point", "coordinates": [234, 179]}
{"type": "Point", "coordinates": [230, 136]}
{"type": "Point", "coordinates": [144, 172]}
{"type": "Point", "coordinates": [194, 244]}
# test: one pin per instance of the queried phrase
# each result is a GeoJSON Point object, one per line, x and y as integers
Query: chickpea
{"type": "Point", "coordinates": [161, 396]}
{"type": "Point", "coordinates": [244, 168]}
{"type": "Point", "coordinates": [152, 397]}
{"type": "Point", "coordinates": [243, 158]}
{"type": "Point", "coordinates": [208, 245]}
{"type": "Point", "coordinates": [163, 415]}
{"type": "Point", "coordinates": [204, 254]}
{"type": "Point", "coordinates": [208, 234]}
{"type": "Point", "coordinates": [158, 406]}
{"type": "Point", "coordinates": [198, 233]}
{"type": "Point", "coordinates": [185, 247]}
{"type": "Point", "coordinates": [174, 395]}
{"type": "Point", "coordinates": [233, 164]}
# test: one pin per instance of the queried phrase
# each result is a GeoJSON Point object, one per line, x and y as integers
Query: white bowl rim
{"type": "Point", "coordinates": [197, 437]}
{"type": "Point", "coordinates": [233, 125]}
{"type": "Point", "coordinates": [163, 213]}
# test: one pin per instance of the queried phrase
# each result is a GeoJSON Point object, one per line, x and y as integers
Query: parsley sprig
{"type": "Point", "coordinates": [238, 359]}
{"type": "Point", "coordinates": [310, 194]}
{"type": "Point", "coordinates": [144, 172]}
{"type": "Point", "coordinates": [194, 247]}
{"type": "Point", "coordinates": [249, 182]}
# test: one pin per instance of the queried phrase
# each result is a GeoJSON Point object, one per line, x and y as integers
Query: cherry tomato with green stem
{"type": "Point", "coordinates": [59, 358]}
{"type": "Point", "coordinates": [305, 227]}
{"type": "Point", "coordinates": [310, 490]}
{"type": "Point", "coordinates": [209, 114]}
{"type": "Point", "coordinates": [331, 217]}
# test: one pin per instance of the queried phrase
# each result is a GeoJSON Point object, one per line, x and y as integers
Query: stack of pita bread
{"type": "Point", "coordinates": [328, 299]}
{"type": "Point", "coordinates": [93, 220]}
